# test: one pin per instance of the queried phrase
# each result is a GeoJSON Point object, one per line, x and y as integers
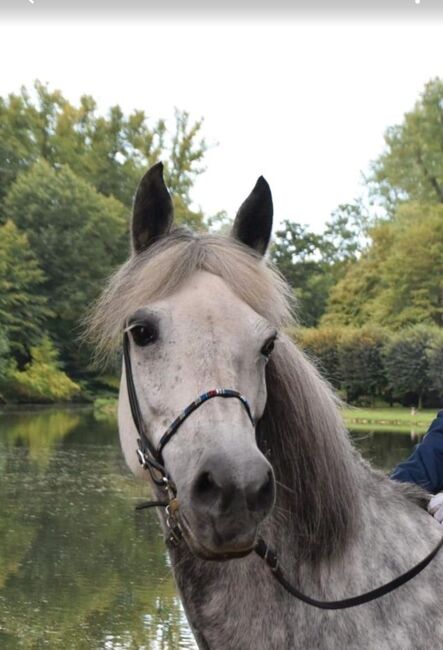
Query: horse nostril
{"type": "Point", "coordinates": [263, 498]}
{"type": "Point", "coordinates": [205, 487]}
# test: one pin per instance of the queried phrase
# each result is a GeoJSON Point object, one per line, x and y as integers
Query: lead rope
{"type": "Point", "coordinates": [151, 459]}
{"type": "Point", "coordinates": [268, 555]}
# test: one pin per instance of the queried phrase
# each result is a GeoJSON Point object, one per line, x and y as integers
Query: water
{"type": "Point", "coordinates": [79, 568]}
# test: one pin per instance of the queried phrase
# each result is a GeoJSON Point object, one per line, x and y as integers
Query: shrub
{"type": "Point", "coordinates": [406, 362]}
{"type": "Point", "coordinates": [322, 344]}
{"type": "Point", "coordinates": [42, 380]}
{"type": "Point", "coordinates": [360, 356]}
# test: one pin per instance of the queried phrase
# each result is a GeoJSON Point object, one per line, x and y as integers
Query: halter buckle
{"type": "Point", "coordinates": [142, 458]}
{"type": "Point", "coordinates": [175, 532]}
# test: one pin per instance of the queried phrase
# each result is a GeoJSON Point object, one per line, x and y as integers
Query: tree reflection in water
{"type": "Point", "coordinates": [79, 568]}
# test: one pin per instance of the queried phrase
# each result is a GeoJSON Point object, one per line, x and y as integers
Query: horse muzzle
{"type": "Point", "coordinates": [221, 515]}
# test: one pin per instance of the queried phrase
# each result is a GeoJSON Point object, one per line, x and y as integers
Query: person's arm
{"type": "Point", "coordinates": [425, 465]}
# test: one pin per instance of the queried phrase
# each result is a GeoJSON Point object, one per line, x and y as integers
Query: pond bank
{"type": "Point", "coordinates": [388, 419]}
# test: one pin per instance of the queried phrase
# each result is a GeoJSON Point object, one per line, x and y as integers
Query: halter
{"type": "Point", "coordinates": [151, 459]}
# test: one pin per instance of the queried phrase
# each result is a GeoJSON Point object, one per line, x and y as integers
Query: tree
{"type": "Point", "coordinates": [23, 308]}
{"type": "Point", "coordinates": [313, 263]}
{"type": "Point", "coordinates": [411, 168]}
{"type": "Point", "coordinates": [42, 380]}
{"type": "Point", "coordinates": [111, 152]}
{"type": "Point", "coordinates": [345, 235]}
{"type": "Point", "coordinates": [323, 345]}
{"type": "Point", "coordinates": [406, 362]}
{"type": "Point", "coordinates": [398, 280]}
{"type": "Point", "coordinates": [297, 254]}
{"type": "Point", "coordinates": [78, 237]}
{"type": "Point", "coordinates": [4, 353]}
{"type": "Point", "coordinates": [360, 356]}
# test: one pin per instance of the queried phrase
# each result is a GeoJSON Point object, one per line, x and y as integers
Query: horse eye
{"type": "Point", "coordinates": [144, 334]}
{"type": "Point", "coordinates": [268, 347]}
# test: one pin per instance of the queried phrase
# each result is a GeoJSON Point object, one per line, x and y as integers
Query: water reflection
{"type": "Point", "coordinates": [79, 568]}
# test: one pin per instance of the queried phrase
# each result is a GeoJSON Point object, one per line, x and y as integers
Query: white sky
{"type": "Point", "coordinates": [303, 103]}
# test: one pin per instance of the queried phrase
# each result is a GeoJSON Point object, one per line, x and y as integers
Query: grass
{"type": "Point", "coordinates": [388, 419]}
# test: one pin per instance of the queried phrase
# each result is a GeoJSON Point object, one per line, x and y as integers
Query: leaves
{"type": "Point", "coordinates": [411, 168]}
{"type": "Point", "coordinates": [42, 379]}
{"type": "Point", "coordinates": [23, 308]}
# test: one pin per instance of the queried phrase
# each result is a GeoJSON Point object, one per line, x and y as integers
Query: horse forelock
{"type": "Point", "coordinates": [167, 265]}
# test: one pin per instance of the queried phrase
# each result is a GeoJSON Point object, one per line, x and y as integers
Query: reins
{"type": "Point", "coordinates": [151, 459]}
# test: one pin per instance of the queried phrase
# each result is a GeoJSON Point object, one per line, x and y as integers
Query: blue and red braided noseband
{"type": "Point", "coordinates": [193, 406]}
{"type": "Point", "coordinates": [151, 457]}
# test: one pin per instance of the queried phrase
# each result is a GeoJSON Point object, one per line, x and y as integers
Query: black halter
{"type": "Point", "coordinates": [151, 458]}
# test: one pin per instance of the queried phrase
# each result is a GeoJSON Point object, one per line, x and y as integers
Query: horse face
{"type": "Point", "coordinates": [200, 338]}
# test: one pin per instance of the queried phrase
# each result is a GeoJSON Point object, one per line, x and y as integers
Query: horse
{"type": "Point", "coordinates": [204, 311]}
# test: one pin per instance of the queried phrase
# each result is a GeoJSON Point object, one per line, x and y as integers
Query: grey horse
{"type": "Point", "coordinates": [208, 311]}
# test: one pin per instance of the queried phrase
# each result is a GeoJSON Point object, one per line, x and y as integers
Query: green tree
{"type": "Point", "coordinates": [312, 263]}
{"type": "Point", "coordinates": [322, 344]}
{"type": "Point", "coordinates": [406, 362]}
{"type": "Point", "coordinates": [111, 152]}
{"type": "Point", "coordinates": [360, 356]}
{"type": "Point", "coordinates": [297, 253]}
{"type": "Point", "coordinates": [42, 380]}
{"type": "Point", "coordinates": [4, 354]}
{"type": "Point", "coordinates": [23, 308]}
{"type": "Point", "coordinates": [411, 167]}
{"type": "Point", "coordinates": [398, 280]}
{"type": "Point", "coordinates": [78, 237]}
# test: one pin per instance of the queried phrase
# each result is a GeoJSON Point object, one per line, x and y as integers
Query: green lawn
{"type": "Point", "coordinates": [388, 419]}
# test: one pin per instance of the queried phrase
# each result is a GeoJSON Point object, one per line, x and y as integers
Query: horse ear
{"type": "Point", "coordinates": [253, 223]}
{"type": "Point", "coordinates": [153, 212]}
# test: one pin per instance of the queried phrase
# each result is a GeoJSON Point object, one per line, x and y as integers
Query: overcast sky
{"type": "Point", "coordinates": [303, 101]}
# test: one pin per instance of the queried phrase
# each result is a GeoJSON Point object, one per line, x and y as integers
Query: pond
{"type": "Point", "coordinates": [79, 568]}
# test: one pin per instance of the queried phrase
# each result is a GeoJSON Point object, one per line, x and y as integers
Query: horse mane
{"type": "Point", "coordinates": [313, 458]}
{"type": "Point", "coordinates": [317, 469]}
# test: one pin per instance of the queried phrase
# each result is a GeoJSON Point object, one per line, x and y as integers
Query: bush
{"type": "Point", "coordinates": [42, 380]}
{"type": "Point", "coordinates": [406, 362]}
{"type": "Point", "coordinates": [4, 352]}
{"type": "Point", "coordinates": [360, 356]}
{"type": "Point", "coordinates": [323, 345]}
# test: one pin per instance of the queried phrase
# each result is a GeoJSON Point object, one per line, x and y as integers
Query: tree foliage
{"type": "Point", "coordinates": [360, 356]}
{"type": "Point", "coordinates": [312, 263]}
{"type": "Point", "coordinates": [111, 152]}
{"type": "Point", "coordinates": [77, 235]}
{"type": "Point", "coordinates": [398, 280]}
{"type": "Point", "coordinates": [322, 345]}
{"type": "Point", "coordinates": [370, 362]}
{"type": "Point", "coordinates": [411, 167]}
{"type": "Point", "coordinates": [23, 307]}
{"type": "Point", "coordinates": [406, 362]}
{"type": "Point", "coordinates": [41, 380]}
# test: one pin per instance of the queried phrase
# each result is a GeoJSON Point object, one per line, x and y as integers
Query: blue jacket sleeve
{"type": "Point", "coordinates": [425, 465]}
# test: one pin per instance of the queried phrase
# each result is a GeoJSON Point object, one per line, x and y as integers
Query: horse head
{"type": "Point", "coordinates": [194, 335]}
